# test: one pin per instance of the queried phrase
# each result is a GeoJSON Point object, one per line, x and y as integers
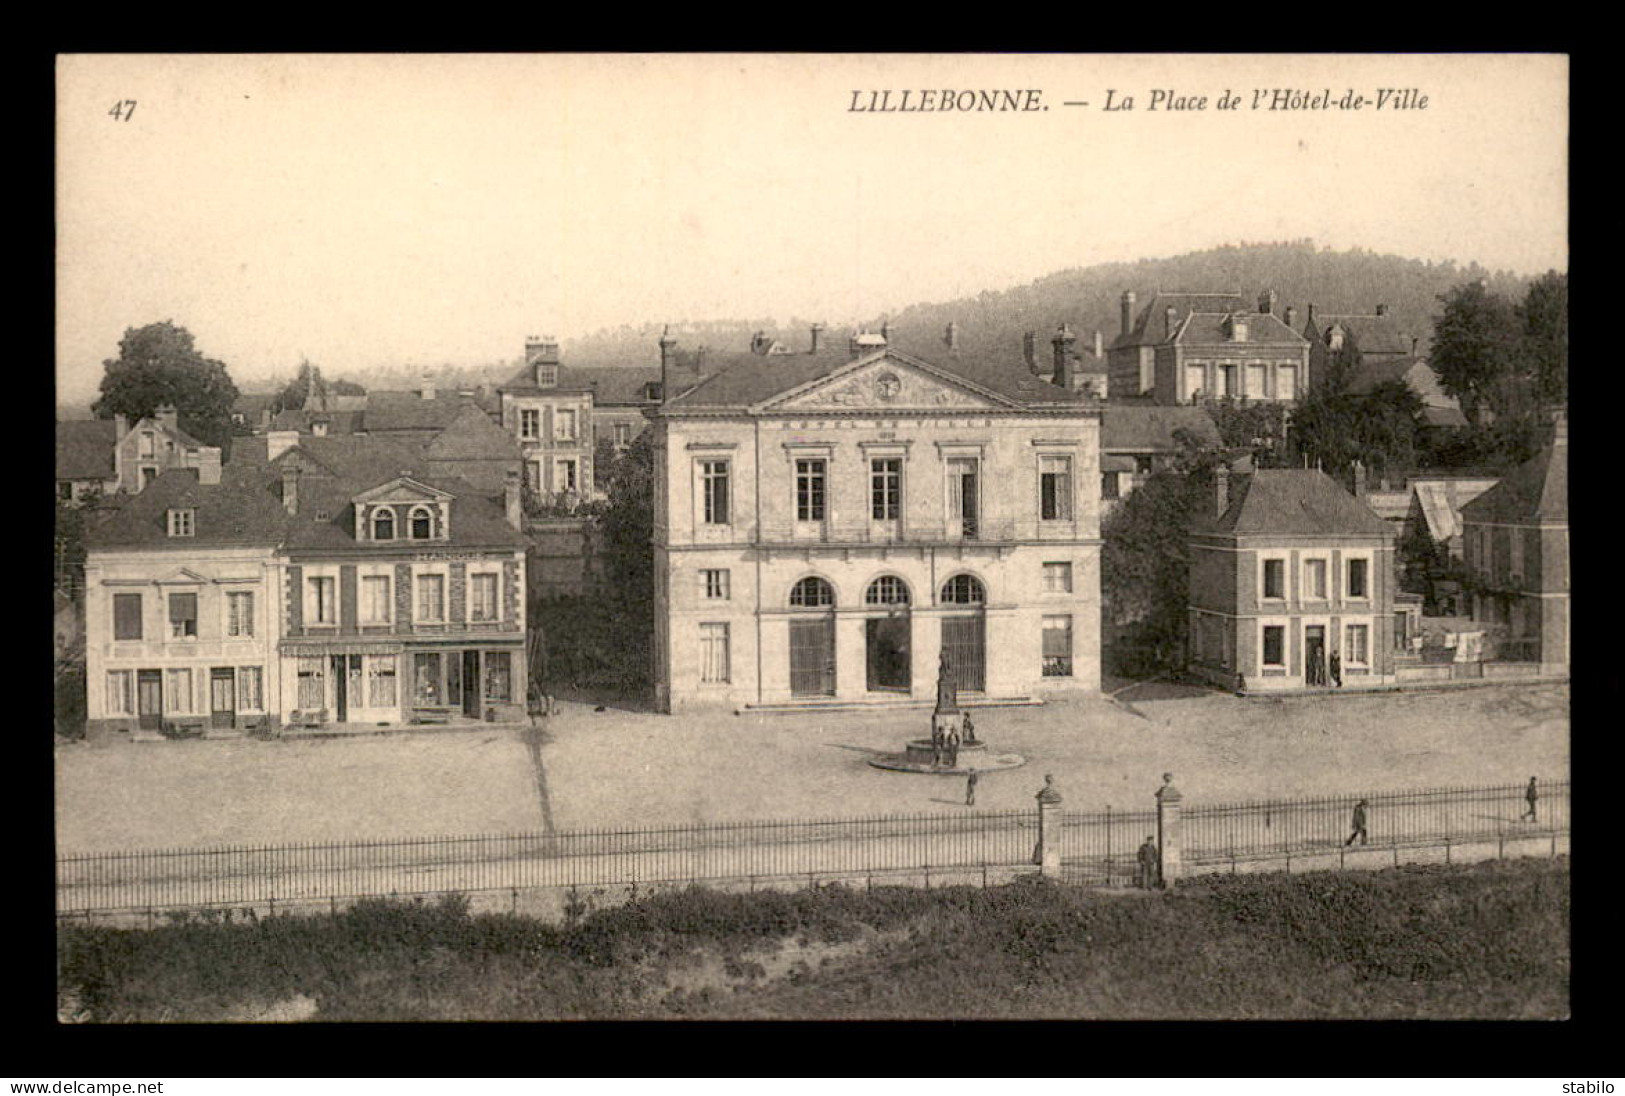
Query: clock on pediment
{"type": "Point", "coordinates": [887, 385]}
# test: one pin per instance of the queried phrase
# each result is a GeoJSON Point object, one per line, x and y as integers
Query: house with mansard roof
{"type": "Point", "coordinates": [1288, 569]}
{"type": "Point", "coordinates": [1199, 347]}
{"type": "Point", "coordinates": [830, 522]}
{"type": "Point", "coordinates": [319, 580]}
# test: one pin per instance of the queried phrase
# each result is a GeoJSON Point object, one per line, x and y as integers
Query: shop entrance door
{"type": "Point", "coordinates": [149, 698]}
{"type": "Point", "coordinates": [222, 697]}
{"type": "Point", "coordinates": [471, 684]}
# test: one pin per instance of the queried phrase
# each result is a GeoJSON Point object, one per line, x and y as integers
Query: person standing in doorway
{"type": "Point", "coordinates": [1531, 795]}
{"type": "Point", "coordinates": [1147, 859]}
{"type": "Point", "coordinates": [1337, 670]}
{"type": "Point", "coordinates": [1358, 822]}
{"type": "Point", "coordinates": [970, 789]}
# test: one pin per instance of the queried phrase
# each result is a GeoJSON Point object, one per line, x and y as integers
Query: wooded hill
{"type": "Point", "coordinates": [1088, 298]}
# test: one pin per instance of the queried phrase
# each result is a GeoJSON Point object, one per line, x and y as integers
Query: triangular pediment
{"type": "Point", "coordinates": [182, 576]}
{"type": "Point", "coordinates": [401, 489]}
{"type": "Point", "coordinates": [885, 382]}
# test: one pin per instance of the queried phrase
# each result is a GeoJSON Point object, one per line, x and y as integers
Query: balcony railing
{"type": "Point", "coordinates": [980, 531]}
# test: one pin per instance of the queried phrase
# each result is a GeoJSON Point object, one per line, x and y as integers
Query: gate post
{"type": "Point", "coordinates": [1048, 853]}
{"type": "Point", "coordinates": [1168, 800]}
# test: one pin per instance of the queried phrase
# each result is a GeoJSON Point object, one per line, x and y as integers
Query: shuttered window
{"type": "Point", "coordinates": [126, 616]}
{"type": "Point", "coordinates": [183, 616]}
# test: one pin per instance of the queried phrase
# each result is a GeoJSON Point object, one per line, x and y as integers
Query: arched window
{"type": "Point", "coordinates": [964, 590]}
{"type": "Point", "coordinates": [886, 590]}
{"type": "Point", "coordinates": [422, 523]}
{"type": "Point", "coordinates": [812, 593]}
{"type": "Point", "coordinates": [383, 523]}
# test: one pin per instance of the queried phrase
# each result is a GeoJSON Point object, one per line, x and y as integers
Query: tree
{"type": "Point", "coordinates": [1145, 563]}
{"type": "Point", "coordinates": [1254, 427]}
{"type": "Point", "coordinates": [1387, 428]}
{"type": "Point", "coordinates": [159, 365]}
{"type": "Point", "coordinates": [1476, 350]}
{"type": "Point", "coordinates": [306, 386]}
{"type": "Point", "coordinates": [1544, 318]}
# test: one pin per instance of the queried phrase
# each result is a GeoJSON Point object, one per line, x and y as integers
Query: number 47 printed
{"type": "Point", "coordinates": [123, 109]}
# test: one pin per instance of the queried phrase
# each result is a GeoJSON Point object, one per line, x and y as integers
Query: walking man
{"type": "Point", "coordinates": [1358, 823]}
{"type": "Point", "coordinates": [970, 789]}
{"type": "Point", "coordinates": [1147, 858]}
{"type": "Point", "coordinates": [1531, 796]}
{"type": "Point", "coordinates": [1337, 670]}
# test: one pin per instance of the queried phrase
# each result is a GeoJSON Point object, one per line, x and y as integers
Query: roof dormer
{"type": "Point", "coordinates": [402, 509]}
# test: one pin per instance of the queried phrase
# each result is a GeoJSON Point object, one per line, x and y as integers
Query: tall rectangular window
{"type": "Point", "coordinates": [1057, 646]}
{"type": "Point", "coordinates": [1357, 647]}
{"type": "Point", "coordinates": [1055, 488]}
{"type": "Point", "coordinates": [376, 606]}
{"type": "Point", "coordinates": [564, 424]}
{"type": "Point", "coordinates": [565, 478]}
{"type": "Point", "coordinates": [715, 583]}
{"type": "Point", "coordinates": [1057, 578]}
{"type": "Point", "coordinates": [120, 692]}
{"type": "Point", "coordinates": [381, 681]}
{"type": "Point", "coordinates": [183, 616]}
{"type": "Point", "coordinates": [250, 689]}
{"type": "Point", "coordinates": [149, 446]}
{"type": "Point", "coordinates": [126, 616]}
{"type": "Point", "coordinates": [1286, 382]}
{"type": "Point", "coordinates": [1275, 645]}
{"type": "Point", "coordinates": [178, 691]}
{"type": "Point", "coordinates": [431, 600]}
{"type": "Point", "coordinates": [323, 602]}
{"type": "Point", "coordinates": [1314, 579]}
{"type": "Point", "coordinates": [1275, 578]}
{"type": "Point", "coordinates": [810, 490]}
{"type": "Point", "coordinates": [312, 696]}
{"type": "Point", "coordinates": [886, 488]}
{"type": "Point", "coordinates": [713, 653]}
{"type": "Point", "coordinates": [482, 597]}
{"type": "Point", "coordinates": [1358, 578]}
{"type": "Point", "coordinates": [530, 423]}
{"type": "Point", "coordinates": [714, 487]}
{"type": "Point", "coordinates": [240, 614]}
{"type": "Point", "coordinates": [623, 433]}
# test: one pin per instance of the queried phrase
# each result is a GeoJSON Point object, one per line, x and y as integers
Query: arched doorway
{"type": "Point", "coordinates": [812, 638]}
{"type": "Point", "coordinates": [964, 634]}
{"type": "Point", "coordinates": [887, 636]}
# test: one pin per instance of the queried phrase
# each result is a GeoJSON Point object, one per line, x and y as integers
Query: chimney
{"type": "Point", "coordinates": [758, 343]}
{"type": "Point", "coordinates": [1292, 317]}
{"type": "Point", "coordinates": [1063, 357]}
{"type": "Point", "coordinates": [1128, 310]}
{"type": "Point", "coordinates": [167, 417]}
{"type": "Point", "coordinates": [278, 442]}
{"type": "Point", "coordinates": [1221, 490]}
{"type": "Point", "coordinates": [1170, 316]}
{"type": "Point", "coordinates": [1029, 350]}
{"type": "Point", "coordinates": [510, 498]}
{"type": "Point", "coordinates": [668, 351]}
{"type": "Point", "coordinates": [1359, 479]}
{"type": "Point", "coordinates": [121, 427]}
{"type": "Point", "coordinates": [1382, 310]}
{"type": "Point", "coordinates": [1266, 302]}
{"type": "Point", "coordinates": [426, 386]}
{"type": "Point", "coordinates": [1312, 318]}
{"type": "Point", "coordinates": [816, 329]}
{"type": "Point", "coordinates": [951, 337]}
{"type": "Point", "coordinates": [1100, 344]}
{"type": "Point", "coordinates": [208, 466]}
{"type": "Point", "coordinates": [290, 487]}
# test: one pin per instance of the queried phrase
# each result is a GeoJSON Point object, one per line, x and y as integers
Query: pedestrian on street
{"type": "Point", "coordinates": [953, 749]}
{"type": "Point", "coordinates": [1359, 824]}
{"type": "Point", "coordinates": [1337, 670]}
{"type": "Point", "coordinates": [1531, 796]}
{"type": "Point", "coordinates": [970, 789]}
{"type": "Point", "coordinates": [970, 731]}
{"type": "Point", "coordinates": [1147, 858]}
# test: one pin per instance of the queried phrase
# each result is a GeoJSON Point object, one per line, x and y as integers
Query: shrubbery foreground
{"type": "Point", "coordinates": [1487, 941]}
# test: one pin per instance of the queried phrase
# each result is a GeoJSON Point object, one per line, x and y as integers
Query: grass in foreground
{"type": "Point", "coordinates": [1480, 942]}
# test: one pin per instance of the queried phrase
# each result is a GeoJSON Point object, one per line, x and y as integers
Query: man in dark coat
{"type": "Point", "coordinates": [1147, 859]}
{"type": "Point", "coordinates": [1358, 823]}
{"type": "Point", "coordinates": [1337, 669]}
{"type": "Point", "coordinates": [953, 749]}
{"type": "Point", "coordinates": [1531, 796]}
{"type": "Point", "coordinates": [970, 789]}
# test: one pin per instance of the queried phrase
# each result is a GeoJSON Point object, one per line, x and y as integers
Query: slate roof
{"type": "Point", "coordinates": [1146, 427]}
{"type": "Point", "coordinates": [1294, 502]}
{"type": "Point", "coordinates": [746, 379]}
{"type": "Point", "coordinates": [473, 436]}
{"type": "Point", "coordinates": [417, 414]}
{"type": "Point", "coordinates": [1537, 490]}
{"type": "Point", "coordinates": [1148, 329]}
{"type": "Point", "coordinates": [1372, 334]}
{"type": "Point", "coordinates": [339, 422]}
{"type": "Point", "coordinates": [1205, 328]}
{"type": "Point", "coordinates": [84, 449]}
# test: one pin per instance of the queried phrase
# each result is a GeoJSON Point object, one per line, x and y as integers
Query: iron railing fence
{"type": "Point", "coordinates": [257, 874]}
{"type": "Point", "coordinates": [1431, 816]}
{"type": "Point", "coordinates": [1102, 846]}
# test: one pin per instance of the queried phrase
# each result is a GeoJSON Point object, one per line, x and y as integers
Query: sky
{"type": "Point", "coordinates": [377, 210]}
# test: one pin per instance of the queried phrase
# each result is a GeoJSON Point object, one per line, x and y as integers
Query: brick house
{"type": "Point", "coordinates": [1194, 347]}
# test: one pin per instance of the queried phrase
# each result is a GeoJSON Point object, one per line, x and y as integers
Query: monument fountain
{"type": "Point", "coordinates": [953, 748]}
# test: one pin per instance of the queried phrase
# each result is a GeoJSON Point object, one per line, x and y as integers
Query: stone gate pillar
{"type": "Point", "coordinates": [1168, 799]}
{"type": "Point", "coordinates": [1048, 853]}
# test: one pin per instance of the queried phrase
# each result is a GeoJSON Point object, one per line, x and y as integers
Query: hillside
{"type": "Point", "coordinates": [1088, 298]}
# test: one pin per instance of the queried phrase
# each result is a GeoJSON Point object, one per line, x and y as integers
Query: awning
{"type": "Point", "coordinates": [314, 650]}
